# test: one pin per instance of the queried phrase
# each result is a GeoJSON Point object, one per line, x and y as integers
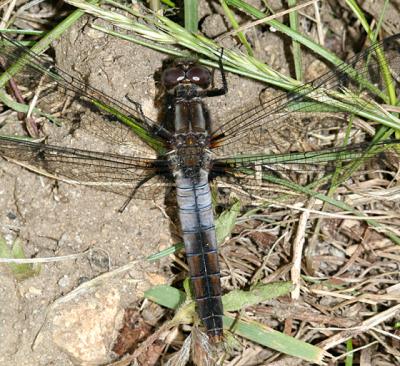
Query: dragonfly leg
{"type": "Point", "coordinates": [134, 190]}
{"type": "Point", "coordinates": [138, 107]}
{"type": "Point", "coordinates": [157, 129]}
{"type": "Point", "coordinates": [216, 92]}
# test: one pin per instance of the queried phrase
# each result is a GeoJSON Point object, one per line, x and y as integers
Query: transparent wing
{"type": "Point", "coordinates": [108, 118]}
{"type": "Point", "coordinates": [125, 175]}
{"type": "Point", "coordinates": [247, 173]}
{"type": "Point", "coordinates": [317, 160]}
{"type": "Point", "coordinates": [287, 119]}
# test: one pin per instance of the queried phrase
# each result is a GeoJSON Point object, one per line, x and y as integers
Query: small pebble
{"type": "Point", "coordinates": [64, 281]}
{"type": "Point", "coordinates": [34, 291]}
{"type": "Point", "coordinates": [11, 215]}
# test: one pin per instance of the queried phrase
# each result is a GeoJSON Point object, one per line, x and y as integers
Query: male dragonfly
{"type": "Point", "coordinates": [190, 153]}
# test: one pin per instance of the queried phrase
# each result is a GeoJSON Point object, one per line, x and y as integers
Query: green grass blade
{"type": "Point", "coordinates": [294, 24]}
{"type": "Point", "coordinates": [350, 356]}
{"type": "Point", "coordinates": [380, 21]}
{"type": "Point", "coordinates": [166, 252]}
{"type": "Point", "coordinates": [235, 25]}
{"type": "Point", "coordinates": [277, 341]}
{"type": "Point", "coordinates": [29, 32]}
{"type": "Point", "coordinates": [169, 3]}
{"type": "Point", "coordinates": [359, 14]}
{"type": "Point", "coordinates": [154, 46]}
{"type": "Point", "coordinates": [191, 15]}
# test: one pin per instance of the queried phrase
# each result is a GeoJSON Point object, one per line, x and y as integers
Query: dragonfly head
{"type": "Point", "coordinates": [186, 72]}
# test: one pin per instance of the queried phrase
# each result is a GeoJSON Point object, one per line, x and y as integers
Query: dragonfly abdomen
{"type": "Point", "coordinates": [198, 230]}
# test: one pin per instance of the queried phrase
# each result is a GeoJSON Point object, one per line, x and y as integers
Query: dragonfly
{"type": "Point", "coordinates": [190, 152]}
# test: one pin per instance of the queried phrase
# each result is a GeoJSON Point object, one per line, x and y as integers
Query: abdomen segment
{"type": "Point", "coordinates": [198, 230]}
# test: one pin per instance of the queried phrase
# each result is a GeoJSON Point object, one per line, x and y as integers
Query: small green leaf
{"type": "Point", "coordinates": [20, 271]}
{"type": "Point", "coordinates": [185, 314]}
{"type": "Point", "coordinates": [239, 299]}
{"type": "Point", "coordinates": [165, 295]}
{"type": "Point", "coordinates": [225, 223]}
{"type": "Point", "coordinates": [172, 298]}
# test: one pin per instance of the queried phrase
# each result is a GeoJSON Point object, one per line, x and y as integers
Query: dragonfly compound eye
{"type": "Point", "coordinates": [199, 75]}
{"type": "Point", "coordinates": [172, 77]}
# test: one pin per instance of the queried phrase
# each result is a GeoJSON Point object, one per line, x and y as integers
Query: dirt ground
{"type": "Point", "coordinates": [43, 321]}
{"type": "Point", "coordinates": [58, 219]}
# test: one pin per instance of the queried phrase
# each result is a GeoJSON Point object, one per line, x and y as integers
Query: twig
{"type": "Point", "coordinates": [298, 245]}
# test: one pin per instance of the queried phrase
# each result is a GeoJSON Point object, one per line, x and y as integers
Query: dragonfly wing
{"type": "Point", "coordinates": [122, 174]}
{"type": "Point", "coordinates": [248, 175]}
{"type": "Point", "coordinates": [108, 118]}
{"type": "Point", "coordinates": [290, 115]}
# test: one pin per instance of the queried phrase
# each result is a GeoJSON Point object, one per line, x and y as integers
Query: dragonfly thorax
{"type": "Point", "coordinates": [190, 139]}
{"type": "Point", "coordinates": [190, 154]}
